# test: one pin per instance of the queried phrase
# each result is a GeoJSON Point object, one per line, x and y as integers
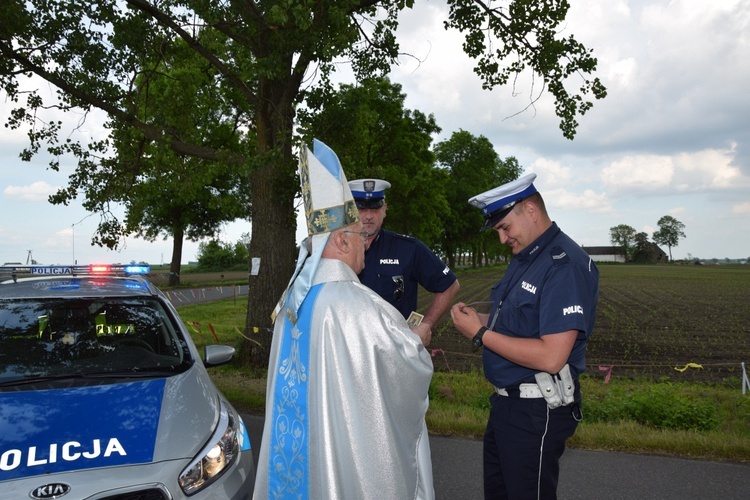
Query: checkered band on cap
{"type": "Point", "coordinates": [368, 189]}
{"type": "Point", "coordinates": [497, 202]}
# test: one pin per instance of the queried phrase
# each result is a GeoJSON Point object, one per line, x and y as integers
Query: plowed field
{"type": "Point", "coordinates": [663, 321]}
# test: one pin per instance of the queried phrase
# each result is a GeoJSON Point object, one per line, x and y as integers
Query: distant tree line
{"type": "Point", "coordinates": [636, 245]}
{"type": "Point", "coordinates": [376, 136]}
{"type": "Point", "coordinates": [217, 255]}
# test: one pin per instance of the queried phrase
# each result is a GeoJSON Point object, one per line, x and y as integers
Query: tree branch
{"type": "Point", "coordinates": [168, 22]}
{"type": "Point", "coordinates": [155, 133]}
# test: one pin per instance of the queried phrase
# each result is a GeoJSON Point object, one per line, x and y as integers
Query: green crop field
{"type": "Point", "coordinates": [688, 322]}
{"type": "Point", "coordinates": [673, 322]}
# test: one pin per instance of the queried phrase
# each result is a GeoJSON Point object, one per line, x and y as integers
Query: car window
{"type": "Point", "coordinates": [80, 337]}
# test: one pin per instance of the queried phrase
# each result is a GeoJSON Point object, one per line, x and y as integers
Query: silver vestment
{"type": "Point", "coordinates": [367, 377]}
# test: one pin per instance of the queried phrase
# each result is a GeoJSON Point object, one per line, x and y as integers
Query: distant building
{"type": "Point", "coordinates": [606, 254]}
{"type": "Point", "coordinates": [659, 254]}
{"type": "Point", "coordinates": [652, 254]}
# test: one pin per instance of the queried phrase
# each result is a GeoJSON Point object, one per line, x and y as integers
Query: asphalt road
{"type": "Point", "coordinates": [457, 471]}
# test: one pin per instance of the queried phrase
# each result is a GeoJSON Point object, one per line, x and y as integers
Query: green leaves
{"type": "Point", "coordinates": [472, 167]}
{"type": "Point", "coordinates": [659, 406]}
{"type": "Point", "coordinates": [507, 39]}
{"type": "Point", "coordinates": [374, 135]}
{"type": "Point", "coordinates": [624, 236]}
{"type": "Point", "coordinates": [669, 233]}
{"type": "Point", "coordinates": [206, 86]}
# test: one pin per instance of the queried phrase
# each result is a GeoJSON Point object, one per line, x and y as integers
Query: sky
{"type": "Point", "coordinates": [672, 137]}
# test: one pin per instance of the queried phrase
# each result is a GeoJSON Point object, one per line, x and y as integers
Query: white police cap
{"type": "Point", "coordinates": [369, 193]}
{"type": "Point", "coordinates": [498, 202]}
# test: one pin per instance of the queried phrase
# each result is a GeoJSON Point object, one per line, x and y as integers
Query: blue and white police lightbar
{"type": "Point", "coordinates": [99, 269]}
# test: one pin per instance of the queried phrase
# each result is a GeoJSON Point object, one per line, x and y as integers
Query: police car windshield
{"type": "Point", "coordinates": [50, 340]}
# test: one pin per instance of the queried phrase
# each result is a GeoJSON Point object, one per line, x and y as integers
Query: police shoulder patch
{"type": "Point", "coordinates": [404, 236]}
{"type": "Point", "coordinates": [559, 256]}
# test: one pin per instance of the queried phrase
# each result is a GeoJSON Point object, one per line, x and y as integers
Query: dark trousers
{"type": "Point", "coordinates": [523, 443]}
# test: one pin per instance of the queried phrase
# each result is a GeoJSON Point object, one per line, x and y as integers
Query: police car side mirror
{"type": "Point", "coordinates": [215, 355]}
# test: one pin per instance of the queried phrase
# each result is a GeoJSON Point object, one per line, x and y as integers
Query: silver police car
{"type": "Point", "coordinates": [103, 394]}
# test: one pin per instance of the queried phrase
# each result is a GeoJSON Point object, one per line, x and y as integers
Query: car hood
{"type": "Point", "coordinates": [59, 430]}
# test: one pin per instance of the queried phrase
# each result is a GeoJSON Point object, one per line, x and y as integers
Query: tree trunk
{"type": "Point", "coordinates": [450, 255]}
{"type": "Point", "coordinates": [174, 265]}
{"type": "Point", "coordinates": [272, 245]}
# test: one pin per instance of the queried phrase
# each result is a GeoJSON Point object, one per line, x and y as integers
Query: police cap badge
{"type": "Point", "coordinates": [369, 193]}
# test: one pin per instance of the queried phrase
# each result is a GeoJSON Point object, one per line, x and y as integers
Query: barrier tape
{"type": "Point", "coordinates": [608, 369]}
{"type": "Point", "coordinates": [689, 365]}
{"type": "Point", "coordinates": [255, 330]}
{"type": "Point", "coordinates": [211, 327]}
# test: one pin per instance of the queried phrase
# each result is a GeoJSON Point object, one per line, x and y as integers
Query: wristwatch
{"type": "Point", "coordinates": [477, 340]}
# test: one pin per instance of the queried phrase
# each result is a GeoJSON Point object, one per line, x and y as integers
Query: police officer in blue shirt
{"type": "Point", "coordinates": [396, 264]}
{"type": "Point", "coordinates": [534, 340]}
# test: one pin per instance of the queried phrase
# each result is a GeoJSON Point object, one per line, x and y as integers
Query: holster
{"type": "Point", "coordinates": [558, 389]}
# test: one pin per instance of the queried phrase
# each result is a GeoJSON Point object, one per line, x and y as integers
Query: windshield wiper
{"type": "Point", "coordinates": [152, 371]}
{"type": "Point", "coordinates": [41, 378]}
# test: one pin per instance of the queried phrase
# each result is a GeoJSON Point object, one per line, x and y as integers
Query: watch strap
{"type": "Point", "coordinates": [477, 340]}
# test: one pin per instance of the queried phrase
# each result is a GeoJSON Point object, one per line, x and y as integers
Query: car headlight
{"type": "Point", "coordinates": [221, 450]}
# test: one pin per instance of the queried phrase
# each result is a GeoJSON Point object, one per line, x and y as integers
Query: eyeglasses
{"type": "Point", "coordinates": [363, 234]}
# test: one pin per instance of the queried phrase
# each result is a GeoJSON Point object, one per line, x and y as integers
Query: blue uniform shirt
{"type": "Point", "coordinates": [550, 287]}
{"type": "Point", "coordinates": [395, 266]}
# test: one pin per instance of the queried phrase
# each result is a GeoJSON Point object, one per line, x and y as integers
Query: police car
{"type": "Point", "coordinates": [103, 394]}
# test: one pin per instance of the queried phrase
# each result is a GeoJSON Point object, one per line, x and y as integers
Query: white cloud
{"type": "Point", "coordinates": [550, 172]}
{"type": "Point", "coordinates": [677, 211]}
{"type": "Point", "coordinates": [587, 200]}
{"type": "Point", "coordinates": [623, 73]}
{"type": "Point", "coordinates": [552, 176]}
{"type": "Point", "coordinates": [38, 191]}
{"type": "Point", "coordinates": [741, 208]}
{"type": "Point", "coordinates": [705, 169]}
{"type": "Point", "coordinates": [638, 173]}
{"type": "Point", "coordinates": [681, 172]}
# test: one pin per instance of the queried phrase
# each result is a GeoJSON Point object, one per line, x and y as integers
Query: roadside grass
{"type": "Point", "coordinates": [646, 415]}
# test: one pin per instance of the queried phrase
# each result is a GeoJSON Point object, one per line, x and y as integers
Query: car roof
{"type": "Point", "coordinates": [72, 282]}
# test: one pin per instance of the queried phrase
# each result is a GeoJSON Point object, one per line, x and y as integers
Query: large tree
{"type": "Point", "coordinates": [473, 166]}
{"type": "Point", "coordinates": [623, 236]}
{"type": "Point", "coordinates": [643, 250]}
{"type": "Point", "coordinates": [92, 52]}
{"type": "Point", "coordinates": [166, 194]}
{"type": "Point", "coordinates": [669, 233]}
{"type": "Point", "coordinates": [375, 136]}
